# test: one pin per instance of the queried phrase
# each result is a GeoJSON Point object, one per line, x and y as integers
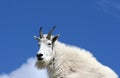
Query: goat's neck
{"type": "Point", "coordinates": [53, 70]}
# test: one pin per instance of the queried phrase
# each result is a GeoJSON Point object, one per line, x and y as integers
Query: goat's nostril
{"type": "Point", "coordinates": [39, 55]}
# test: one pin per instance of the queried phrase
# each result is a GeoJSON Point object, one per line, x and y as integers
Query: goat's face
{"type": "Point", "coordinates": [45, 49]}
{"type": "Point", "coordinates": [46, 53]}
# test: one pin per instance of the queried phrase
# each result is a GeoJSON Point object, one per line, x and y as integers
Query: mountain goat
{"type": "Point", "coordinates": [65, 61]}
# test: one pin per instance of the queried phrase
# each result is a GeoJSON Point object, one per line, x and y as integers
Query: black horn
{"type": "Point", "coordinates": [40, 32]}
{"type": "Point", "coordinates": [50, 33]}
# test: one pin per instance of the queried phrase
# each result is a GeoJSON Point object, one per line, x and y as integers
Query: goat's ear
{"type": "Point", "coordinates": [37, 38]}
{"type": "Point", "coordinates": [55, 38]}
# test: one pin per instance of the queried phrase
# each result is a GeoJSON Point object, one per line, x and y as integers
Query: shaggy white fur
{"type": "Point", "coordinates": [73, 62]}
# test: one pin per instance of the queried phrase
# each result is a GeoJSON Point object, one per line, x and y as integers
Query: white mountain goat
{"type": "Point", "coordinates": [65, 61]}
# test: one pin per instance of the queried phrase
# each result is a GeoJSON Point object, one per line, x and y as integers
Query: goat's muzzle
{"type": "Point", "coordinates": [39, 56]}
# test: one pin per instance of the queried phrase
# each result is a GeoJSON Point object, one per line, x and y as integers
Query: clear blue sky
{"type": "Point", "coordinates": [92, 25]}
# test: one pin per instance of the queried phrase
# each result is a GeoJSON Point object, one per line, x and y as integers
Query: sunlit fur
{"type": "Point", "coordinates": [73, 62]}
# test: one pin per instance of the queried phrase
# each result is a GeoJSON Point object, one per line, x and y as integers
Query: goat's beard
{"type": "Point", "coordinates": [40, 64]}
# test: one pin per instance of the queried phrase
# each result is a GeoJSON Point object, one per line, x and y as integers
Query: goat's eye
{"type": "Point", "coordinates": [49, 43]}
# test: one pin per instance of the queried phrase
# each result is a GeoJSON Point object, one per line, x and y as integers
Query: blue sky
{"type": "Point", "coordinates": [92, 25]}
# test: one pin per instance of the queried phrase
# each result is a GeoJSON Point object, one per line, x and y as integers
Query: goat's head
{"type": "Point", "coordinates": [46, 46]}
